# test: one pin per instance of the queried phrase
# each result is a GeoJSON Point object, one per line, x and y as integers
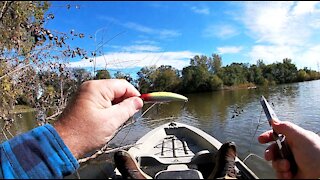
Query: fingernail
{"type": "Point", "coordinates": [267, 155]}
{"type": "Point", "coordinates": [138, 103]}
{"type": "Point", "coordinates": [275, 121]}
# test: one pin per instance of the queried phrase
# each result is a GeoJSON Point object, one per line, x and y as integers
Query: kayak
{"type": "Point", "coordinates": [179, 151]}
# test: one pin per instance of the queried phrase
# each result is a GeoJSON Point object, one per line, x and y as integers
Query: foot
{"type": "Point", "coordinates": [225, 162]}
{"type": "Point", "coordinates": [128, 167]}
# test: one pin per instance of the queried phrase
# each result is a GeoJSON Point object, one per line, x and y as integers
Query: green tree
{"type": "Point", "coordinates": [216, 63]}
{"type": "Point", "coordinates": [145, 81]}
{"type": "Point", "coordinates": [165, 78]}
{"type": "Point", "coordinates": [302, 76]}
{"type": "Point", "coordinates": [255, 75]}
{"type": "Point", "coordinates": [102, 74]}
{"type": "Point", "coordinates": [234, 74]}
{"type": "Point", "coordinates": [195, 79]}
{"type": "Point", "coordinates": [28, 47]}
{"type": "Point", "coordinates": [121, 75]}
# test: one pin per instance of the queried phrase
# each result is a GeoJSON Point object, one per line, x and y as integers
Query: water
{"type": "Point", "coordinates": [215, 113]}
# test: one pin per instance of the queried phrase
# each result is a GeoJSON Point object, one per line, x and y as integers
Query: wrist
{"type": "Point", "coordinates": [71, 139]}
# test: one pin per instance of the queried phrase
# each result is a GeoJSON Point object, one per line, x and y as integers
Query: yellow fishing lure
{"type": "Point", "coordinates": [163, 97]}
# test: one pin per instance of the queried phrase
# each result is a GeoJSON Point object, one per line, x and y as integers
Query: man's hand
{"type": "Point", "coordinates": [98, 109]}
{"type": "Point", "coordinates": [305, 146]}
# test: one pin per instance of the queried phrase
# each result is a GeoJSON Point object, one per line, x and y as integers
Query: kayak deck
{"type": "Point", "coordinates": [179, 151]}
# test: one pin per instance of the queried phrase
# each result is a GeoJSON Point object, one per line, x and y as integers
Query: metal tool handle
{"type": "Point", "coordinates": [286, 153]}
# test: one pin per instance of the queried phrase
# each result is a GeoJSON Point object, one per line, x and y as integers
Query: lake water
{"type": "Point", "coordinates": [227, 115]}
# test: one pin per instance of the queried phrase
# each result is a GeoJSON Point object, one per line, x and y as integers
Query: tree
{"type": "Point", "coordinates": [102, 74]}
{"type": "Point", "coordinates": [234, 74]}
{"type": "Point", "coordinates": [165, 78]}
{"type": "Point", "coordinates": [27, 48]}
{"type": "Point", "coordinates": [121, 75]}
{"type": "Point", "coordinates": [80, 75]}
{"type": "Point", "coordinates": [195, 78]}
{"type": "Point", "coordinates": [255, 75]}
{"type": "Point", "coordinates": [145, 81]}
{"type": "Point", "coordinates": [216, 63]}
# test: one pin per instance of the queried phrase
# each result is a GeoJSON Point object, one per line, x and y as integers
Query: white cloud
{"type": "Point", "coordinates": [306, 57]}
{"type": "Point", "coordinates": [223, 31]}
{"type": "Point", "coordinates": [123, 60]}
{"type": "Point", "coordinates": [309, 58]}
{"type": "Point", "coordinates": [283, 30]}
{"type": "Point", "coordinates": [161, 33]}
{"type": "Point", "coordinates": [200, 10]}
{"type": "Point", "coordinates": [304, 7]}
{"type": "Point", "coordinates": [229, 49]}
{"type": "Point", "coordinates": [282, 23]}
{"type": "Point", "coordinates": [141, 48]}
{"type": "Point", "coordinates": [145, 42]}
{"type": "Point", "coordinates": [270, 53]}
{"type": "Point", "coordinates": [139, 27]}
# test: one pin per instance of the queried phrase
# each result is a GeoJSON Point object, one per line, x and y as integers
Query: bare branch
{"type": "Point", "coordinates": [5, 8]}
{"type": "Point", "coordinates": [52, 117]}
{"type": "Point", "coordinates": [104, 150]}
{"type": "Point", "coordinates": [14, 71]}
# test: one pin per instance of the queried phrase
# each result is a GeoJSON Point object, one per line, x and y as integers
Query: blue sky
{"type": "Point", "coordinates": [142, 33]}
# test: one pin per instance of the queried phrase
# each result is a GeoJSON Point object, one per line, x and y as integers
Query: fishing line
{"type": "Point", "coordinates": [254, 134]}
{"type": "Point", "coordinates": [133, 121]}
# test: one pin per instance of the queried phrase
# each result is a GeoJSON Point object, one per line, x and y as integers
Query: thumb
{"type": "Point", "coordinates": [125, 109]}
{"type": "Point", "coordinates": [286, 128]}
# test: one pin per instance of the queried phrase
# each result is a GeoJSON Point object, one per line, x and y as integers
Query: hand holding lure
{"type": "Point", "coordinates": [163, 97]}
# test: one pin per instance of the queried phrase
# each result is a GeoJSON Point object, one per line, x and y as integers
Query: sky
{"type": "Point", "coordinates": [132, 34]}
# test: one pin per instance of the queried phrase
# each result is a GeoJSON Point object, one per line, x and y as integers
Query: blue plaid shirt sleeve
{"type": "Point", "coordinates": [36, 154]}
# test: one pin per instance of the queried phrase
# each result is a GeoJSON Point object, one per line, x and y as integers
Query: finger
{"type": "Point", "coordinates": [266, 137]}
{"type": "Point", "coordinates": [124, 110]}
{"type": "Point", "coordinates": [117, 89]}
{"type": "Point", "coordinates": [272, 152]}
{"type": "Point", "coordinates": [286, 128]}
{"type": "Point", "coordinates": [281, 165]}
{"type": "Point", "coordinates": [284, 175]}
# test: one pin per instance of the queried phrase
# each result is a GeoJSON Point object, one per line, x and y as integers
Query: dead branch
{"type": "Point", "coordinates": [104, 150]}
{"type": "Point", "coordinates": [52, 117]}
{"type": "Point", "coordinates": [18, 69]}
{"type": "Point", "coordinates": [5, 8]}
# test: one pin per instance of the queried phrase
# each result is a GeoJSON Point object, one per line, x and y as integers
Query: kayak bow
{"type": "Point", "coordinates": [163, 97]}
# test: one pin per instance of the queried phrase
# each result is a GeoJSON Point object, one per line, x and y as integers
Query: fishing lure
{"type": "Point", "coordinates": [163, 97]}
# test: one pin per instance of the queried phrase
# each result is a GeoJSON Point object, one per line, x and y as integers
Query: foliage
{"type": "Point", "coordinates": [33, 60]}
{"type": "Point", "coordinates": [163, 78]}
{"type": "Point", "coordinates": [234, 74]}
{"type": "Point", "coordinates": [102, 74]}
{"type": "Point", "coordinates": [121, 75]}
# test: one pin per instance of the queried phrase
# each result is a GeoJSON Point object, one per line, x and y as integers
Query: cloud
{"type": "Point", "coordinates": [160, 33]}
{"type": "Point", "coordinates": [200, 10]}
{"type": "Point", "coordinates": [282, 23]}
{"type": "Point", "coordinates": [306, 57]}
{"type": "Point", "coordinates": [271, 53]}
{"type": "Point", "coordinates": [229, 49]}
{"type": "Point", "coordinates": [139, 27]}
{"type": "Point", "coordinates": [310, 58]}
{"type": "Point", "coordinates": [145, 42]}
{"type": "Point", "coordinates": [141, 48]}
{"type": "Point", "coordinates": [222, 31]}
{"type": "Point", "coordinates": [304, 7]}
{"type": "Point", "coordinates": [126, 60]}
{"type": "Point", "coordinates": [283, 30]}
